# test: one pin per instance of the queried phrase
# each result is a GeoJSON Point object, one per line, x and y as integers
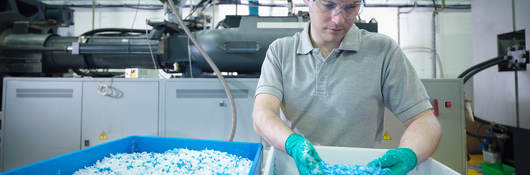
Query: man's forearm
{"type": "Point", "coordinates": [422, 135]}
{"type": "Point", "coordinates": [267, 123]}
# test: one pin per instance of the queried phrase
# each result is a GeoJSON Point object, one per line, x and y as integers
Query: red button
{"type": "Point", "coordinates": [435, 106]}
{"type": "Point", "coordinates": [448, 104]}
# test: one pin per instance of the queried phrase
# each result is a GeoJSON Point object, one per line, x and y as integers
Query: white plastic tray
{"type": "Point", "coordinates": [279, 163]}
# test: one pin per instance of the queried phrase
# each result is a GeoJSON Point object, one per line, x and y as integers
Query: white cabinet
{"type": "Point", "coordinates": [199, 108]}
{"type": "Point", "coordinates": [131, 108]}
{"type": "Point", "coordinates": [48, 117]}
{"type": "Point", "coordinates": [42, 119]}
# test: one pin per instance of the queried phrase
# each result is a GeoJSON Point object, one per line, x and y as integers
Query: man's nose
{"type": "Point", "coordinates": [338, 16]}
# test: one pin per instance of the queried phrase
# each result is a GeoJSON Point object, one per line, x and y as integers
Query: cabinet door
{"type": "Point", "coordinates": [451, 150]}
{"type": "Point", "coordinates": [130, 109]}
{"type": "Point", "coordinates": [42, 120]}
{"type": "Point", "coordinates": [199, 108]}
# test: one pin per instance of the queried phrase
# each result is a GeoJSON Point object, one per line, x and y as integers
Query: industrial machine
{"type": "Point", "coordinates": [29, 44]}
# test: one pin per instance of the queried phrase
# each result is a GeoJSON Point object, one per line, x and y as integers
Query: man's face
{"type": "Point", "coordinates": [331, 19]}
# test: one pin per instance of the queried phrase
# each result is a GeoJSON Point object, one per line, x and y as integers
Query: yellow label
{"type": "Point", "coordinates": [386, 136]}
{"type": "Point", "coordinates": [102, 136]}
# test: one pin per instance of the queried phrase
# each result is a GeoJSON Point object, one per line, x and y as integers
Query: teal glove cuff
{"type": "Point", "coordinates": [304, 155]}
{"type": "Point", "coordinates": [400, 161]}
{"type": "Point", "coordinates": [292, 141]}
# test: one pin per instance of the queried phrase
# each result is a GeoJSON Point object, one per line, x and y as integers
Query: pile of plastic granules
{"type": "Point", "coordinates": [175, 161]}
{"type": "Point", "coordinates": [351, 169]}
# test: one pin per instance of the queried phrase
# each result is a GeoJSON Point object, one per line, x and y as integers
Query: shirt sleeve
{"type": "Point", "coordinates": [403, 92]}
{"type": "Point", "coordinates": [270, 81]}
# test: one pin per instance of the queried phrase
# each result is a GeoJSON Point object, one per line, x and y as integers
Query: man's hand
{"type": "Point", "coordinates": [400, 161]}
{"type": "Point", "coordinates": [304, 155]}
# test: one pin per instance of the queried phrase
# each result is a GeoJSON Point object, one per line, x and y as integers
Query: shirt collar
{"type": "Point", "coordinates": [351, 41]}
{"type": "Point", "coordinates": [305, 45]}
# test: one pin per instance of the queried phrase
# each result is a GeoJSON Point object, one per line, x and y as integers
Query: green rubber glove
{"type": "Point", "coordinates": [400, 161]}
{"type": "Point", "coordinates": [304, 155]}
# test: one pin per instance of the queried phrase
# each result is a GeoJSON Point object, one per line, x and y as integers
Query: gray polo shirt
{"type": "Point", "coordinates": [340, 100]}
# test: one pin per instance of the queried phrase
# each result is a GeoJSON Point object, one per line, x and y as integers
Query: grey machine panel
{"type": "Point", "coordinates": [131, 108]}
{"type": "Point", "coordinates": [199, 108]}
{"type": "Point", "coordinates": [42, 120]}
{"type": "Point", "coordinates": [452, 148]}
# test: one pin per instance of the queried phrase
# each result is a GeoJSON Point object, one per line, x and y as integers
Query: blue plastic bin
{"type": "Point", "coordinates": [71, 162]}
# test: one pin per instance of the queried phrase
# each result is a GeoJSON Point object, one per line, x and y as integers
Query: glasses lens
{"type": "Point", "coordinates": [326, 5]}
{"type": "Point", "coordinates": [331, 8]}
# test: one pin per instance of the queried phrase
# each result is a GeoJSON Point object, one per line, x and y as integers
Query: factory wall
{"type": "Point", "coordinates": [494, 91]}
{"type": "Point", "coordinates": [453, 44]}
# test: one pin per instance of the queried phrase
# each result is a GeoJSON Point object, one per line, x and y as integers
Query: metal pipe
{"type": "Point", "coordinates": [464, 6]}
{"type": "Point", "coordinates": [153, 6]}
{"type": "Point", "coordinates": [399, 27]}
{"type": "Point", "coordinates": [93, 14]}
{"type": "Point", "coordinates": [399, 21]}
{"type": "Point", "coordinates": [434, 13]}
{"type": "Point", "coordinates": [515, 73]}
{"type": "Point", "coordinates": [434, 46]}
{"type": "Point", "coordinates": [517, 121]}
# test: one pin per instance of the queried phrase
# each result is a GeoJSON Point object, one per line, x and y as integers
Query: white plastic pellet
{"type": "Point", "coordinates": [175, 161]}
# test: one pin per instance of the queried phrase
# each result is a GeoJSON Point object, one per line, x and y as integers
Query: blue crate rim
{"type": "Point", "coordinates": [257, 159]}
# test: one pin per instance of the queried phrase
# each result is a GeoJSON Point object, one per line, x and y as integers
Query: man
{"type": "Point", "coordinates": [332, 82]}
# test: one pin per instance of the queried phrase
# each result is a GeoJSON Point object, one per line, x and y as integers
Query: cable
{"type": "Point", "coordinates": [121, 30]}
{"type": "Point", "coordinates": [478, 65]}
{"type": "Point", "coordinates": [141, 7]}
{"type": "Point", "coordinates": [221, 24]}
{"type": "Point", "coordinates": [102, 88]}
{"type": "Point", "coordinates": [481, 68]}
{"type": "Point", "coordinates": [150, 49]}
{"type": "Point", "coordinates": [93, 74]}
{"type": "Point", "coordinates": [214, 68]}
{"type": "Point", "coordinates": [135, 14]}
{"type": "Point", "coordinates": [189, 58]}
{"type": "Point", "coordinates": [484, 136]}
{"type": "Point", "coordinates": [199, 5]}
{"type": "Point", "coordinates": [435, 6]}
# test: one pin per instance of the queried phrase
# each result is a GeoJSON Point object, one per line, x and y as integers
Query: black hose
{"type": "Point", "coordinates": [463, 74]}
{"type": "Point", "coordinates": [221, 23]}
{"type": "Point", "coordinates": [93, 74]}
{"type": "Point", "coordinates": [121, 30]}
{"type": "Point", "coordinates": [484, 136]}
{"type": "Point", "coordinates": [492, 124]}
{"type": "Point", "coordinates": [481, 68]}
{"type": "Point", "coordinates": [480, 120]}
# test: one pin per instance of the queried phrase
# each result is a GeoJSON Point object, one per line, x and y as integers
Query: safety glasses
{"type": "Point", "coordinates": [331, 8]}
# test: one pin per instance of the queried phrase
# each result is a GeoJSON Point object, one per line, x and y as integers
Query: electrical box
{"type": "Point", "coordinates": [447, 98]}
